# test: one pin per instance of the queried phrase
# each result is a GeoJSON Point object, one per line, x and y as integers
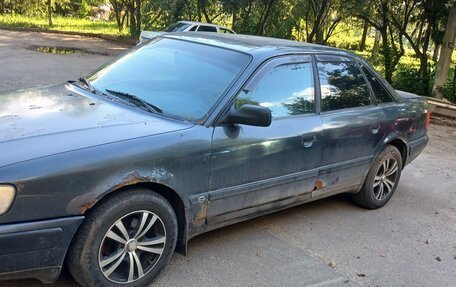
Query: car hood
{"type": "Point", "coordinates": [44, 121]}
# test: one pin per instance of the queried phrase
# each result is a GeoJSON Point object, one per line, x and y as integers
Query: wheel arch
{"type": "Point", "coordinates": [173, 198]}
{"type": "Point", "coordinates": [397, 143]}
{"type": "Point", "coordinates": [401, 146]}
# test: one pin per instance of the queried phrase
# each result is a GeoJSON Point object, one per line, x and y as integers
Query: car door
{"type": "Point", "coordinates": [254, 169]}
{"type": "Point", "coordinates": [353, 126]}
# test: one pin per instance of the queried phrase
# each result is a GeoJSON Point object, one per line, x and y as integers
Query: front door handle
{"type": "Point", "coordinates": [308, 141]}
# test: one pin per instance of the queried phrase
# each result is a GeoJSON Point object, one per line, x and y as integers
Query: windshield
{"type": "Point", "coordinates": [177, 27]}
{"type": "Point", "coordinates": [180, 78]}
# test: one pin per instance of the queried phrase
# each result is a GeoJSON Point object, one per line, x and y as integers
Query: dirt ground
{"type": "Point", "coordinates": [409, 242]}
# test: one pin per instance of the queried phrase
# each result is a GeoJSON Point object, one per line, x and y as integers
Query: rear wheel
{"type": "Point", "coordinates": [382, 179]}
{"type": "Point", "coordinates": [125, 241]}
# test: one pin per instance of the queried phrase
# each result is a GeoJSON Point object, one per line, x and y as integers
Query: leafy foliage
{"type": "Point", "coordinates": [397, 31]}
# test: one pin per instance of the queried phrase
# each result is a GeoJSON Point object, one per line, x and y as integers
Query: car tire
{"type": "Point", "coordinates": [125, 240]}
{"type": "Point", "coordinates": [382, 179]}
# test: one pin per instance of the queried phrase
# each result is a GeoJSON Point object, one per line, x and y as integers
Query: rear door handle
{"type": "Point", "coordinates": [308, 141]}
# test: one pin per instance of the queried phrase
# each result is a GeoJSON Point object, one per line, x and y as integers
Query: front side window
{"type": "Point", "coordinates": [287, 90]}
{"type": "Point", "coordinates": [342, 85]}
{"type": "Point", "coordinates": [180, 78]}
{"type": "Point", "coordinates": [380, 93]}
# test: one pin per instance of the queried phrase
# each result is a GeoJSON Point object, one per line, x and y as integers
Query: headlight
{"type": "Point", "coordinates": [7, 195]}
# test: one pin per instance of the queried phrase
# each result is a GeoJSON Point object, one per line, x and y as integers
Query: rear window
{"type": "Point", "coordinates": [203, 28]}
{"type": "Point", "coordinates": [177, 27]}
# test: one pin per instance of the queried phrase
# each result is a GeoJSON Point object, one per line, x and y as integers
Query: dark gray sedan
{"type": "Point", "coordinates": [187, 133]}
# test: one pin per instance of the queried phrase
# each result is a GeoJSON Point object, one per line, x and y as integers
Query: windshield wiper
{"type": "Point", "coordinates": [87, 84]}
{"type": "Point", "coordinates": [137, 100]}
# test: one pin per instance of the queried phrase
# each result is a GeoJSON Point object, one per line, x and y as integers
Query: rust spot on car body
{"type": "Point", "coordinates": [87, 206]}
{"type": "Point", "coordinates": [130, 179]}
{"type": "Point", "coordinates": [318, 184]}
{"type": "Point", "coordinates": [200, 213]}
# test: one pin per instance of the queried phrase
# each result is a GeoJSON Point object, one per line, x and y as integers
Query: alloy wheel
{"type": "Point", "coordinates": [385, 178]}
{"type": "Point", "coordinates": [132, 246]}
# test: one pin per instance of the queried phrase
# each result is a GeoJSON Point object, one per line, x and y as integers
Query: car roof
{"type": "Point", "coordinates": [199, 23]}
{"type": "Point", "coordinates": [256, 45]}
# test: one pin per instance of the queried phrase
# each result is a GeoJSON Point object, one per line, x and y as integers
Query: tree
{"type": "Point", "coordinates": [447, 47]}
{"type": "Point", "coordinates": [119, 12]}
{"type": "Point", "coordinates": [378, 16]}
{"type": "Point", "coordinates": [49, 11]}
{"type": "Point", "coordinates": [419, 37]}
{"type": "Point", "coordinates": [320, 18]}
{"type": "Point", "coordinates": [210, 9]}
{"type": "Point", "coordinates": [362, 43]}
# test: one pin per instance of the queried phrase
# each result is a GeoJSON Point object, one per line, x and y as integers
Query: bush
{"type": "Point", "coordinates": [449, 90]}
{"type": "Point", "coordinates": [409, 79]}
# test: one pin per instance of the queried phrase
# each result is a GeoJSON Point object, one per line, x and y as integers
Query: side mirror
{"type": "Point", "coordinates": [250, 115]}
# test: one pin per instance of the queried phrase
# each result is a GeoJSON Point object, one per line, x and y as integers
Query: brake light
{"type": "Point", "coordinates": [428, 119]}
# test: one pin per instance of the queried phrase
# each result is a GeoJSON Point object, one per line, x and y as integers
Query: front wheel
{"type": "Point", "coordinates": [125, 241]}
{"type": "Point", "coordinates": [382, 179]}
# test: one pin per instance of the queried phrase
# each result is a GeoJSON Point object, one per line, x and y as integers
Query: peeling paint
{"type": "Point", "coordinates": [87, 206]}
{"type": "Point", "coordinates": [200, 213]}
{"type": "Point", "coordinates": [131, 178]}
{"type": "Point", "coordinates": [318, 184]}
{"type": "Point", "coordinates": [135, 177]}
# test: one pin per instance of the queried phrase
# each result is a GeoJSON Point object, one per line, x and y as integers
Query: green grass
{"type": "Point", "coordinates": [63, 24]}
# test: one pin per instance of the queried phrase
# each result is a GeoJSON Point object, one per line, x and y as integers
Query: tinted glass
{"type": "Point", "coordinates": [286, 90]}
{"type": "Point", "coordinates": [177, 27]}
{"type": "Point", "coordinates": [342, 86]}
{"type": "Point", "coordinates": [381, 94]}
{"type": "Point", "coordinates": [183, 79]}
{"type": "Point", "coordinates": [193, 29]}
{"type": "Point", "coordinates": [207, 29]}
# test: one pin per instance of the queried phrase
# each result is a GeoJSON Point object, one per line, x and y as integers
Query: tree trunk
{"type": "Point", "coordinates": [454, 83]}
{"type": "Point", "coordinates": [264, 18]}
{"type": "Point", "coordinates": [443, 65]}
{"type": "Point", "coordinates": [435, 54]}
{"type": "Point", "coordinates": [138, 16]}
{"type": "Point", "coordinates": [317, 23]}
{"type": "Point", "coordinates": [362, 44]}
{"type": "Point", "coordinates": [2, 6]}
{"type": "Point", "coordinates": [376, 45]}
{"type": "Point", "coordinates": [117, 12]}
{"type": "Point", "coordinates": [131, 9]}
{"type": "Point", "coordinates": [319, 37]}
{"type": "Point", "coordinates": [424, 74]}
{"type": "Point", "coordinates": [234, 22]}
{"type": "Point", "coordinates": [49, 6]}
{"type": "Point", "coordinates": [386, 56]}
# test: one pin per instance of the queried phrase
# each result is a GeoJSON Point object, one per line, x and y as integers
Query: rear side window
{"type": "Point", "coordinates": [287, 90]}
{"type": "Point", "coordinates": [193, 29]}
{"type": "Point", "coordinates": [381, 94]}
{"type": "Point", "coordinates": [342, 85]}
{"type": "Point", "coordinates": [203, 28]}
